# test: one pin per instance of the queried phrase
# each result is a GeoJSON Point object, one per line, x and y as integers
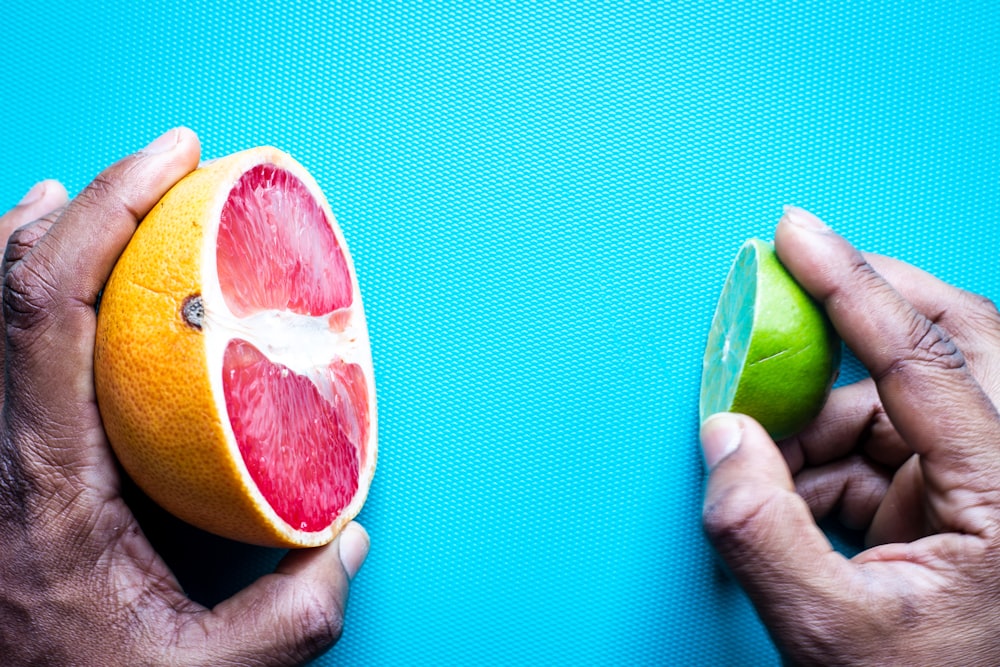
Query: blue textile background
{"type": "Point", "coordinates": [542, 200]}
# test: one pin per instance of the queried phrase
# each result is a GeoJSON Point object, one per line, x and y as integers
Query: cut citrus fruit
{"type": "Point", "coordinates": [232, 361]}
{"type": "Point", "coordinates": [772, 353]}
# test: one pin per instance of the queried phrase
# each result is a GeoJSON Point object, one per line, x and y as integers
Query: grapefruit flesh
{"type": "Point", "coordinates": [232, 362]}
{"type": "Point", "coordinates": [306, 469]}
{"type": "Point", "coordinates": [276, 251]}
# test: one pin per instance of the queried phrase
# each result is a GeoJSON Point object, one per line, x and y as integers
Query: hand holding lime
{"type": "Point", "coordinates": [772, 353]}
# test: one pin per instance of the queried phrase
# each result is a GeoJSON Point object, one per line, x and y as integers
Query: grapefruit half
{"type": "Point", "coordinates": [232, 362]}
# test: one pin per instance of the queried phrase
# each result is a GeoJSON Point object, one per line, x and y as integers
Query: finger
{"type": "Point", "coordinates": [853, 415]}
{"type": "Point", "coordinates": [852, 487]}
{"type": "Point", "coordinates": [285, 618]}
{"type": "Point", "coordinates": [899, 517]}
{"type": "Point", "coordinates": [852, 418]}
{"type": "Point", "coordinates": [924, 383]}
{"type": "Point", "coordinates": [19, 243]}
{"type": "Point", "coordinates": [23, 239]}
{"type": "Point", "coordinates": [972, 320]}
{"type": "Point", "coordinates": [932, 296]}
{"type": "Point", "coordinates": [43, 198]}
{"type": "Point", "coordinates": [763, 529]}
{"type": "Point", "coordinates": [49, 296]}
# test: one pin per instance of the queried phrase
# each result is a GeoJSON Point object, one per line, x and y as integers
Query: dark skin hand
{"type": "Point", "coordinates": [910, 456]}
{"type": "Point", "coordinates": [79, 582]}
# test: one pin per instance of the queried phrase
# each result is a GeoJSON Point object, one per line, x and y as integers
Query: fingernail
{"type": "Point", "coordinates": [36, 192]}
{"type": "Point", "coordinates": [162, 143]}
{"type": "Point", "coordinates": [720, 436]}
{"type": "Point", "coordinates": [803, 218]}
{"type": "Point", "coordinates": [353, 548]}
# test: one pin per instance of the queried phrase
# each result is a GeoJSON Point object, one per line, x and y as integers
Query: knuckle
{"type": "Point", "coordinates": [851, 276]}
{"type": "Point", "coordinates": [925, 344]}
{"type": "Point", "coordinates": [106, 194]}
{"type": "Point", "coordinates": [20, 241]}
{"type": "Point", "coordinates": [737, 518]}
{"type": "Point", "coordinates": [860, 272]}
{"type": "Point", "coordinates": [320, 624]}
{"type": "Point", "coordinates": [934, 345]}
{"type": "Point", "coordinates": [983, 305]}
{"type": "Point", "coordinates": [981, 312]}
{"type": "Point", "coordinates": [102, 187]}
{"type": "Point", "coordinates": [28, 295]}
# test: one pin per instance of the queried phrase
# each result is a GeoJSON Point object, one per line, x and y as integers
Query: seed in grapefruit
{"type": "Point", "coordinates": [772, 353]}
{"type": "Point", "coordinates": [232, 361]}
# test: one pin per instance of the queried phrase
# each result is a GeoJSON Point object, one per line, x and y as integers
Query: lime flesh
{"type": "Point", "coordinates": [772, 353]}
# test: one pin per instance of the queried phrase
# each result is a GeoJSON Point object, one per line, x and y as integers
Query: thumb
{"type": "Point", "coordinates": [762, 528]}
{"type": "Point", "coordinates": [287, 617]}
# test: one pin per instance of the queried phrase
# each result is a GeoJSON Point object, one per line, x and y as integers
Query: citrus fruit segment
{"type": "Point", "coordinates": [232, 362]}
{"type": "Point", "coordinates": [772, 353]}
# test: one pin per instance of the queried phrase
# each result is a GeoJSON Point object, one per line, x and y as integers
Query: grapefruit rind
{"type": "Point", "coordinates": [159, 376]}
{"type": "Point", "coordinates": [772, 353]}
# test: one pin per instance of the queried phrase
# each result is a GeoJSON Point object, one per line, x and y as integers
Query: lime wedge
{"type": "Point", "coordinates": [772, 352]}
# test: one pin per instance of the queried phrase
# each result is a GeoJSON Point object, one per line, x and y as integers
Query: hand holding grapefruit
{"type": "Point", "coordinates": [232, 360]}
{"type": "Point", "coordinates": [79, 581]}
{"type": "Point", "coordinates": [772, 353]}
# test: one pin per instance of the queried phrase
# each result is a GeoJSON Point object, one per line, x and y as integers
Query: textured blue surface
{"type": "Point", "coordinates": [542, 201]}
